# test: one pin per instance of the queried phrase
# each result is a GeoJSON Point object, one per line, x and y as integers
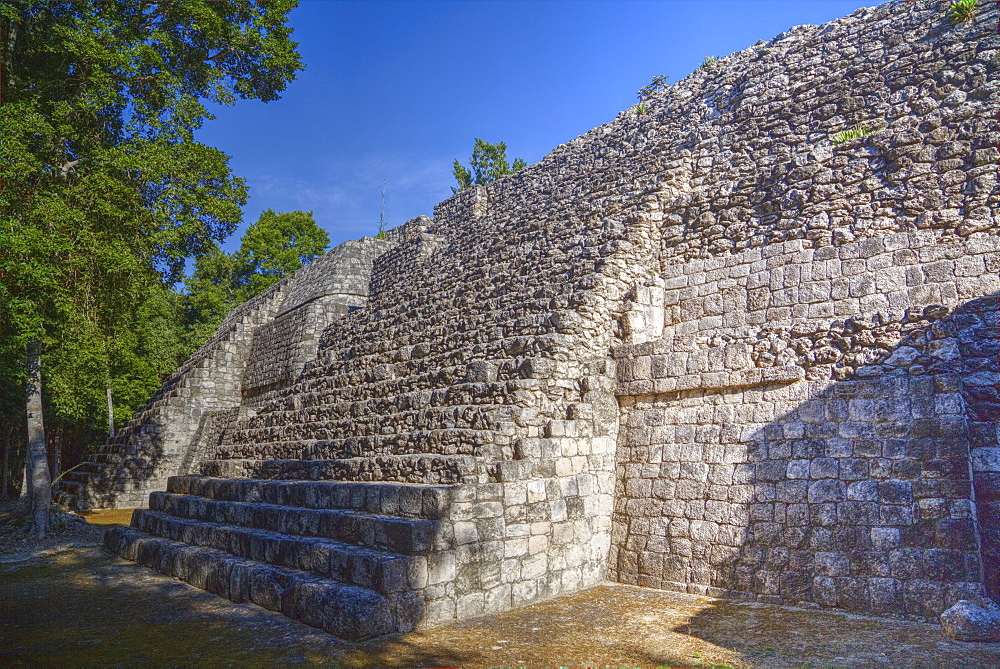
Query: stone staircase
{"type": "Point", "coordinates": [420, 468]}
{"type": "Point", "coordinates": [356, 559]}
{"type": "Point", "coordinates": [70, 487]}
{"type": "Point", "coordinates": [93, 483]}
{"type": "Point", "coordinates": [276, 332]}
{"type": "Point", "coordinates": [153, 444]}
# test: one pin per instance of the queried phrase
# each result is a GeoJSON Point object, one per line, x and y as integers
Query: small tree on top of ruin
{"type": "Point", "coordinates": [488, 163]}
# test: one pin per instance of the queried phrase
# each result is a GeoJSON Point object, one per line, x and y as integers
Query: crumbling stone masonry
{"type": "Point", "coordinates": [701, 348]}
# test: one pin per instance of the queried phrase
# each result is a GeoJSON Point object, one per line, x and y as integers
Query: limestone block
{"type": "Point", "coordinates": [968, 621]}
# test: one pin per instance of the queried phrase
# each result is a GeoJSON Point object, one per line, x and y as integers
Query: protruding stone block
{"type": "Point", "coordinates": [969, 621]}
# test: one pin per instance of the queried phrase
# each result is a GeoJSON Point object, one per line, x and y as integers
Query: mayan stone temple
{"type": "Point", "coordinates": [706, 347]}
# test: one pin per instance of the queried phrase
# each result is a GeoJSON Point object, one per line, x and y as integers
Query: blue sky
{"type": "Point", "coordinates": [396, 90]}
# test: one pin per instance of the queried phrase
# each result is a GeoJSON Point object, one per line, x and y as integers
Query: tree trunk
{"type": "Point", "coordinates": [57, 448]}
{"type": "Point", "coordinates": [5, 486]}
{"type": "Point", "coordinates": [111, 417]}
{"type": "Point", "coordinates": [37, 466]}
{"type": "Point", "coordinates": [24, 499]}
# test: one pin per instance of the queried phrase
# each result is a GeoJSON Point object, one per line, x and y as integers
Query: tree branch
{"type": "Point", "coordinates": [219, 54]}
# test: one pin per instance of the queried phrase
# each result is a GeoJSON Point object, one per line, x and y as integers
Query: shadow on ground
{"type": "Point", "coordinates": [84, 607]}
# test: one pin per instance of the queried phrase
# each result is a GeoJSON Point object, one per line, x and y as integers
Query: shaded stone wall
{"type": "Point", "coordinates": [977, 331]}
{"type": "Point", "coordinates": [809, 460]}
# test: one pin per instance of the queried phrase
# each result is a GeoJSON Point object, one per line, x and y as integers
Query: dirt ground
{"type": "Point", "coordinates": [68, 602]}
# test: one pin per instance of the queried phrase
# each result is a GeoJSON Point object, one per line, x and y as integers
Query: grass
{"type": "Point", "coordinates": [859, 130]}
{"type": "Point", "coordinates": [960, 11]}
{"type": "Point", "coordinates": [710, 61]}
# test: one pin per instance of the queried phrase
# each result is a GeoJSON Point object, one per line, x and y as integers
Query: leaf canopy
{"type": "Point", "coordinates": [277, 245]}
{"type": "Point", "coordinates": [106, 194]}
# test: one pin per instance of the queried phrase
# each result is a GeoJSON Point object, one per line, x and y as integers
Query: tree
{"type": "Point", "coordinates": [274, 247]}
{"type": "Point", "coordinates": [36, 471]}
{"type": "Point", "coordinates": [106, 195]}
{"type": "Point", "coordinates": [659, 83]}
{"type": "Point", "coordinates": [211, 293]}
{"type": "Point", "coordinates": [489, 163]}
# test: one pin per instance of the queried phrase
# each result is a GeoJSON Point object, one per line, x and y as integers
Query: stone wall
{"type": "Point", "coordinates": [701, 348]}
{"type": "Point", "coordinates": [320, 293]}
{"type": "Point", "coordinates": [798, 430]}
{"type": "Point", "coordinates": [806, 459]}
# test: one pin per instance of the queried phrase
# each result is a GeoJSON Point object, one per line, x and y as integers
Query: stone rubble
{"type": "Point", "coordinates": [968, 621]}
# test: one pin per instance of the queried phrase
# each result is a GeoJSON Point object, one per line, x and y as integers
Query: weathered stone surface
{"type": "Point", "coordinates": [701, 348]}
{"type": "Point", "coordinates": [968, 621]}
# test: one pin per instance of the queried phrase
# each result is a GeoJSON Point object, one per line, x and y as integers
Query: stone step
{"type": "Point", "coordinates": [88, 467]}
{"type": "Point", "coordinates": [78, 476]}
{"type": "Point", "coordinates": [353, 446]}
{"type": "Point", "coordinates": [409, 536]}
{"type": "Point", "coordinates": [379, 571]}
{"type": "Point", "coordinates": [134, 426]}
{"type": "Point", "coordinates": [67, 493]}
{"type": "Point", "coordinates": [121, 435]}
{"type": "Point", "coordinates": [346, 611]}
{"type": "Point", "coordinates": [407, 500]}
{"type": "Point", "coordinates": [69, 487]}
{"type": "Point", "coordinates": [339, 415]}
{"type": "Point", "coordinates": [65, 499]}
{"type": "Point", "coordinates": [422, 468]}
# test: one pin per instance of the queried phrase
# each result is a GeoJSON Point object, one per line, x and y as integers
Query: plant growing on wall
{"type": "Point", "coordinates": [859, 130]}
{"type": "Point", "coordinates": [960, 11]}
{"type": "Point", "coordinates": [489, 163]}
{"type": "Point", "coordinates": [381, 219]}
{"type": "Point", "coordinates": [659, 83]}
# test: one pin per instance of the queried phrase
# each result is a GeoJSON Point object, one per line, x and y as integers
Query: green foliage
{"type": "Point", "coordinates": [210, 293]}
{"type": "Point", "coordinates": [659, 83]}
{"type": "Point", "coordinates": [710, 61]}
{"type": "Point", "coordinates": [57, 521]}
{"type": "Point", "coordinates": [640, 108]}
{"type": "Point", "coordinates": [274, 247]}
{"type": "Point", "coordinates": [855, 132]}
{"type": "Point", "coordinates": [106, 194]}
{"type": "Point", "coordinates": [489, 163]}
{"type": "Point", "coordinates": [960, 11]}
